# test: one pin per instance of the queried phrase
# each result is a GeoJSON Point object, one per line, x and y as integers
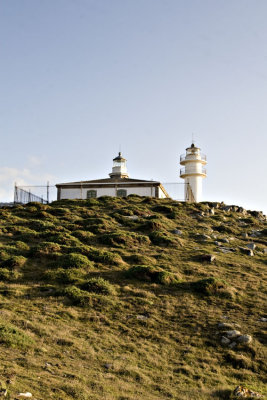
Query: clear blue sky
{"type": "Point", "coordinates": [79, 78]}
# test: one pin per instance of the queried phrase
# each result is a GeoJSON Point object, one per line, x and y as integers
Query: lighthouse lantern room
{"type": "Point", "coordinates": [193, 172]}
{"type": "Point", "coordinates": [119, 169]}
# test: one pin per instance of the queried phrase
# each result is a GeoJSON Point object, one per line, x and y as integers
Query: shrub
{"type": "Point", "coordinates": [22, 246]}
{"type": "Point", "coordinates": [77, 296]}
{"type": "Point", "coordinates": [6, 275]}
{"type": "Point", "coordinates": [75, 391]}
{"type": "Point", "coordinates": [98, 225]}
{"type": "Point", "coordinates": [212, 286]}
{"type": "Point", "coordinates": [98, 285]}
{"type": "Point", "coordinates": [140, 259]}
{"type": "Point", "coordinates": [163, 209]}
{"type": "Point", "coordinates": [40, 225]}
{"type": "Point", "coordinates": [121, 238]}
{"type": "Point", "coordinates": [64, 276]}
{"type": "Point", "coordinates": [9, 250]}
{"type": "Point", "coordinates": [14, 262]}
{"type": "Point", "coordinates": [3, 255]}
{"type": "Point", "coordinates": [60, 211]}
{"type": "Point", "coordinates": [151, 225]}
{"type": "Point", "coordinates": [62, 238]}
{"type": "Point", "coordinates": [23, 231]}
{"type": "Point", "coordinates": [84, 236]}
{"type": "Point", "coordinates": [151, 274]}
{"type": "Point", "coordinates": [11, 336]}
{"type": "Point", "coordinates": [104, 256]}
{"type": "Point", "coordinates": [47, 249]}
{"type": "Point", "coordinates": [75, 260]}
{"type": "Point", "coordinates": [162, 238]}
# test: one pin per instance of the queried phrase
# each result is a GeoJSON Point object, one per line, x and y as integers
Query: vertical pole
{"type": "Point", "coordinates": [81, 191]}
{"type": "Point", "coordinates": [47, 192]}
{"type": "Point", "coordinates": [15, 193]}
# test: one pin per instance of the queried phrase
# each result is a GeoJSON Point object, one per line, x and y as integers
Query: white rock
{"type": "Point", "coordinates": [232, 334]}
{"type": "Point", "coordinates": [25, 395]}
{"type": "Point", "coordinates": [263, 319]}
{"type": "Point", "coordinates": [225, 325]}
{"type": "Point", "coordinates": [132, 217]}
{"type": "Point", "coordinates": [141, 317]}
{"type": "Point", "coordinates": [251, 246]}
{"type": "Point", "coordinates": [246, 339]}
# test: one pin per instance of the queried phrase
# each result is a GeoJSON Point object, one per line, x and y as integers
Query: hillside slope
{"type": "Point", "coordinates": [135, 298]}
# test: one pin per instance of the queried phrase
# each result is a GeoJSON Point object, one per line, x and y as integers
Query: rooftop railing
{"type": "Point", "coordinates": [184, 171]}
{"type": "Point", "coordinates": [201, 156]}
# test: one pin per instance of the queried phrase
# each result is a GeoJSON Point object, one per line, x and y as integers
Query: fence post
{"type": "Point", "coordinates": [47, 192]}
{"type": "Point", "coordinates": [15, 193]}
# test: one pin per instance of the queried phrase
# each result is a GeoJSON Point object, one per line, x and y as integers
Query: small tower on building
{"type": "Point", "coordinates": [119, 169]}
{"type": "Point", "coordinates": [193, 172]}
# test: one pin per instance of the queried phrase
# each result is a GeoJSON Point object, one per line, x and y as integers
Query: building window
{"type": "Point", "coordinates": [91, 193]}
{"type": "Point", "coordinates": [121, 193]}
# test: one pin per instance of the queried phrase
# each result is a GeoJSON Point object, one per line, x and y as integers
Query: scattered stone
{"type": "Point", "coordinates": [177, 232]}
{"type": "Point", "coordinates": [25, 395]}
{"type": "Point", "coordinates": [226, 250]}
{"type": "Point", "coordinates": [225, 240]}
{"type": "Point", "coordinates": [132, 217]}
{"type": "Point", "coordinates": [142, 317]}
{"type": "Point", "coordinates": [263, 319]}
{"type": "Point", "coordinates": [225, 341]}
{"type": "Point", "coordinates": [246, 251]}
{"type": "Point", "coordinates": [212, 212]}
{"type": "Point", "coordinates": [217, 243]}
{"type": "Point", "coordinates": [108, 366]}
{"type": "Point", "coordinates": [245, 339]}
{"type": "Point", "coordinates": [232, 345]}
{"type": "Point", "coordinates": [255, 233]}
{"type": "Point", "coordinates": [225, 325]}
{"type": "Point", "coordinates": [203, 237]}
{"type": "Point", "coordinates": [209, 258]}
{"type": "Point", "coordinates": [241, 391]}
{"type": "Point", "coordinates": [251, 246]}
{"type": "Point", "coordinates": [265, 250]}
{"type": "Point", "coordinates": [244, 235]}
{"type": "Point", "coordinates": [232, 334]}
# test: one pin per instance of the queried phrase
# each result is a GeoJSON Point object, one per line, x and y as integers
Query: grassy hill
{"type": "Point", "coordinates": [130, 299]}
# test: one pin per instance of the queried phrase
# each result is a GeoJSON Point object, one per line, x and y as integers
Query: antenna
{"type": "Point", "coordinates": [193, 141]}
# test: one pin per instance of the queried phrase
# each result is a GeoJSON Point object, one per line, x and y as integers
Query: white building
{"type": "Point", "coordinates": [193, 172]}
{"type": "Point", "coordinates": [118, 184]}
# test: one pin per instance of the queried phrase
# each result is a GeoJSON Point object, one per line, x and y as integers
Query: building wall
{"type": "Point", "coordinates": [71, 193]}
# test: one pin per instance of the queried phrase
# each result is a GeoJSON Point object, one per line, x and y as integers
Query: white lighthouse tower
{"type": "Point", "coordinates": [193, 172]}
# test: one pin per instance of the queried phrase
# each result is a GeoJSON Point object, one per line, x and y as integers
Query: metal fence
{"type": "Point", "coordinates": [39, 193]}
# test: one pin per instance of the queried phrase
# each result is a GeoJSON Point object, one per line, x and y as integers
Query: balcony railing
{"type": "Point", "coordinates": [184, 171]}
{"type": "Point", "coordinates": [201, 156]}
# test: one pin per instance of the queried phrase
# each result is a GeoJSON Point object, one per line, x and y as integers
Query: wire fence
{"type": "Point", "coordinates": [39, 193]}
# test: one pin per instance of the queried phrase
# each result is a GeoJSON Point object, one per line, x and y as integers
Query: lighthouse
{"type": "Point", "coordinates": [119, 169]}
{"type": "Point", "coordinates": [193, 172]}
